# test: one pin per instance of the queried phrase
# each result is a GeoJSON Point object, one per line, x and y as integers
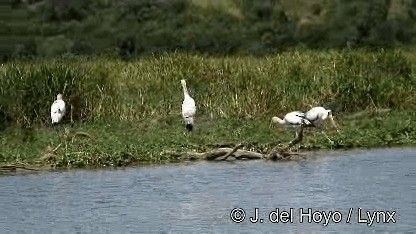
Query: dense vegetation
{"type": "Point", "coordinates": [127, 112]}
{"type": "Point", "coordinates": [233, 86]}
{"type": "Point", "coordinates": [131, 28]}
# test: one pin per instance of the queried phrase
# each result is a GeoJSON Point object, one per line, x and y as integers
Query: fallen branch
{"type": "Point", "coordinates": [279, 153]}
{"type": "Point", "coordinates": [13, 168]}
{"type": "Point", "coordinates": [228, 154]}
{"type": "Point", "coordinates": [225, 157]}
{"type": "Point", "coordinates": [222, 154]}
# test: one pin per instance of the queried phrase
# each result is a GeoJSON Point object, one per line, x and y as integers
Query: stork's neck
{"type": "Point", "coordinates": [278, 120]}
{"type": "Point", "coordinates": [185, 90]}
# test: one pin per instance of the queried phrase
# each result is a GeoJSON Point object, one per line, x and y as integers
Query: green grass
{"type": "Point", "coordinates": [129, 143]}
{"type": "Point", "coordinates": [131, 110]}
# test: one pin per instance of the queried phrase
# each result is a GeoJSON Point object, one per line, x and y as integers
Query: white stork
{"type": "Point", "coordinates": [294, 120]}
{"type": "Point", "coordinates": [57, 110]}
{"type": "Point", "coordinates": [188, 108]}
{"type": "Point", "coordinates": [317, 116]}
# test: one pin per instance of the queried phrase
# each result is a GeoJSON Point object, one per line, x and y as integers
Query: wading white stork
{"type": "Point", "coordinates": [188, 108]}
{"type": "Point", "coordinates": [57, 110]}
{"type": "Point", "coordinates": [317, 116]}
{"type": "Point", "coordinates": [293, 120]}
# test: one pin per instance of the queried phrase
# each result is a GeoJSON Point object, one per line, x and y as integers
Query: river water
{"type": "Point", "coordinates": [198, 197]}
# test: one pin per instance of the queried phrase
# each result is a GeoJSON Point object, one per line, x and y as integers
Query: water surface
{"type": "Point", "coordinates": [198, 197]}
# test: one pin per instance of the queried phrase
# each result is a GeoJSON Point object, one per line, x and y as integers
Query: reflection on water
{"type": "Point", "coordinates": [198, 196]}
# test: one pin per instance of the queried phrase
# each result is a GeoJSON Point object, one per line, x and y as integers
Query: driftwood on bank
{"type": "Point", "coordinates": [236, 153]}
{"type": "Point", "coordinates": [224, 154]}
{"type": "Point", "coordinates": [230, 154]}
{"type": "Point", "coordinates": [284, 152]}
{"type": "Point", "coordinates": [16, 169]}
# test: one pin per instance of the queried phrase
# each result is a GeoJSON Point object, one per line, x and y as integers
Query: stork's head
{"type": "Point", "coordinates": [329, 111]}
{"type": "Point", "coordinates": [273, 121]}
{"type": "Point", "coordinates": [59, 97]}
{"type": "Point", "coordinates": [183, 82]}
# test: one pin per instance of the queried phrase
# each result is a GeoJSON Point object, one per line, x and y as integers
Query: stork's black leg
{"type": "Point", "coordinates": [189, 127]}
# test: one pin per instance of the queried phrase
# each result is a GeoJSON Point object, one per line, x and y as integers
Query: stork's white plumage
{"type": "Point", "coordinates": [317, 116]}
{"type": "Point", "coordinates": [188, 108]}
{"type": "Point", "coordinates": [293, 120]}
{"type": "Point", "coordinates": [57, 109]}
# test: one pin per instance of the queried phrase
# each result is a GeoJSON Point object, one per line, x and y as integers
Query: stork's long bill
{"type": "Point", "coordinates": [333, 122]}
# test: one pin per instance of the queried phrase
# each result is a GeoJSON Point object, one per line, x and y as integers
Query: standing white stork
{"type": "Point", "coordinates": [188, 108]}
{"type": "Point", "coordinates": [57, 110]}
{"type": "Point", "coordinates": [317, 116]}
{"type": "Point", "coordinates": [294, 120]}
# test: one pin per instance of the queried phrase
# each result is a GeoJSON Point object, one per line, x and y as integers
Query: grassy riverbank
{"type": "Point", "coordinates": [117, 144]}
{"type": "Point", "coordinates": [129, 112]}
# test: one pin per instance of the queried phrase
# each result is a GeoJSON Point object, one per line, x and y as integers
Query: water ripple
{"type": "Point", "coordinates": [198, 197]}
